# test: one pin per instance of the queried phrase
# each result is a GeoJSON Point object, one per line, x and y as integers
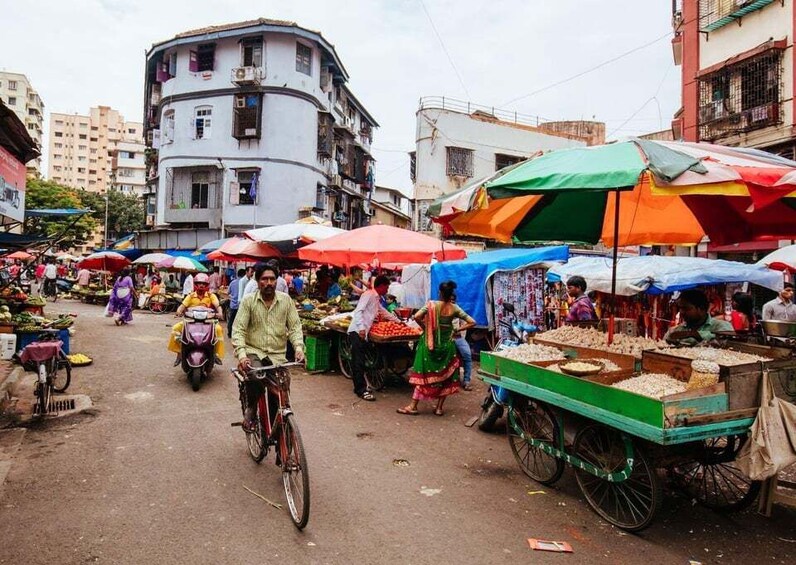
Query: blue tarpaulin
{"type": "Point", "coordinates": [202, 257]}
{"type": "Point", "coordinates": [471, 274]}
{"type": "Point", "coordinates": [56, 212]}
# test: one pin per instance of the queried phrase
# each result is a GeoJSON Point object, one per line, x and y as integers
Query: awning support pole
{"type": "Point", "coordinates": [612, 303]}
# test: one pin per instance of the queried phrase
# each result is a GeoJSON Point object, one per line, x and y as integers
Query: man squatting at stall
{"type": "Point", "coordinates": [697, 325]}
{"type": "Point", "coordinates": [782, 308]}
{"type": "Point", "coordinates": [368, 310]}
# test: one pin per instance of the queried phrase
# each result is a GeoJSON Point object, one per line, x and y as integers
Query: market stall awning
{"type": "Point", "coordinates": [43, 212]}
{"type": "Point", "coordinates": [243, 249]}
{"type": "Point", "coordinates": [655, 274]}
{"type": "Point", "coordinates": [20, 241]}
{"type": "Point", "coordinates": [287, 238]}
{"type": "Point", "coordinates": [783, 259]}
{"type": "Point", "coordinates": [380, 245]}
{"type": "Point", "coordinates": [471, 274]}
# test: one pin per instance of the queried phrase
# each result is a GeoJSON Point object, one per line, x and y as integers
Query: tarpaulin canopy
{"type": "Point", "coordinates": [655, 274]}
{"type": "Point", "coordinates": [186, 253]}
{"type": "Point", "coordinates": [471, 274]}
{"type": "Point", "coordinates": [42, 212]}
{"type": "Point", "coordinates": [380, 245]}
{"type": "Point", "coordinates": [289, 237]}
{"type": "Point", "coordinates": [20, 241]}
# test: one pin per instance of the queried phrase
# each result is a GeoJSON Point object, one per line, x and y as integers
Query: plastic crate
{"type": "Point", "coordinates": [26, 338]}
{"type": "Point", "coordinates": [318, 352]}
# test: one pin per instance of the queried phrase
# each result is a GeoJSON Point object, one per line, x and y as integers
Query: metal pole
{"type": "Point", "coordinates": [107, 198]}
{"type": "Point", "coordinates": [613, 269]}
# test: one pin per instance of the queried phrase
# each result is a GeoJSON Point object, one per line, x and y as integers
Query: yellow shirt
{"type": "Point", "coordinates": [209, 300]}
{"type": "Point", "coordinates": [264, 331]}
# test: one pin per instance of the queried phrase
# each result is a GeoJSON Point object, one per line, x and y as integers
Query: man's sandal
{"type": "Point", "coordinates": [408, 411]}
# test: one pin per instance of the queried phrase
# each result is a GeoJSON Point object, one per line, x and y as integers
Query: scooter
{"type": "Point", "coordinates": [493, 405]}
{"type": "Point", "coordinates": [198, 342]}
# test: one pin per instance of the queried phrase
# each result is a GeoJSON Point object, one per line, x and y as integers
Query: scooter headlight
{"type": "Point", "coordinates": [200, 315]}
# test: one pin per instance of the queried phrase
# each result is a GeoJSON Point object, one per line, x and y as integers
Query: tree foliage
{"type": "Point", "coordinates": [125, 211]}
{"type": "Point", "coordinates": [41, 193]}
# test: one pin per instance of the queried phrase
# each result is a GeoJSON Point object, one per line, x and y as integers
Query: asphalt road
{"type": "Point", "coordinates": [154, 473]}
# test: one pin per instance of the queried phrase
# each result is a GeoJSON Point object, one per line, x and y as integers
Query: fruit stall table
{"type": "Point", "coordinates": [389, 353]}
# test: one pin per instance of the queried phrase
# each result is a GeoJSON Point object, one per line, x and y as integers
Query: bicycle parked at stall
{"type": "Point", "coordinates": [280, 430]}
{"type": "Point", "coordinates": [48, 359]}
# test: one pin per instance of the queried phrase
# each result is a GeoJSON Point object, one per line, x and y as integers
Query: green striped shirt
{"type": "Point", "coordinates": [264, 331]}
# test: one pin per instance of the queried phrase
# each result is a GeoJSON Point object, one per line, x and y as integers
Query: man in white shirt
{"type": "Point", "coordinates": [782, 308]}
{"type": "Point", "coordinates": [187, 285]}
{"type": "Point", "coordinates": [368, 310]}
{"type": "Point", "coordinates": [50, 277]}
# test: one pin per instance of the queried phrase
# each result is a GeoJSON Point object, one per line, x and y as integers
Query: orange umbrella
{"type": "Point", "coordinates": [381, 245]}
{"type": "Point", "coordinates": [21, 255]}
{"type": "Point", "coordinates": [242, 248]}
{"type": "Point", "coordinates": [497, 221]}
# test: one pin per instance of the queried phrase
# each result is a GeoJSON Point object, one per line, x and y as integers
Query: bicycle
{"type": "Point", "coordinates": [51, 289]}
{"type": "Point", "coordinates": [47, 356]}
{"type": "Point", "coordinates": [280, 430]}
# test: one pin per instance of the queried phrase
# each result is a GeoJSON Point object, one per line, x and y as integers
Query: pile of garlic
{"type": "Point", "coordinates": [532, 353]}
{"type": "Point", "coordinates": [724, 357]}
{"type": "Point", "coordinates": [654, 385]}
{"type": "Point", "coordinates": [608, 366]}
{"type": "Point", "coordinates": [595, 339]}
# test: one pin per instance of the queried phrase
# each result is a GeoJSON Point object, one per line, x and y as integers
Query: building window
{"type": "Point", "coordinates": [81, 136]}
{"type": "Point", "coordinates": [503, 161]}
{"type": "Point", "coordinates": [81, 170]}
{"type": "Point", "coordinates": [320, 197]}
{"type": "Point", "coordinates": [82, 147]}
{"type": "Point", "coordinates": [202, 59]}
{"type": "Point", "coordinates": [151, 205]}
{"type": "Point", "coordinates": [124, 172]}
{"type": "Point", "coordinates": [12, 85]}
{"type": "Point", "coordinates": [200, 189]}
{"type": "Point", "coordinates": [459, 162]}
{"type": "Point", "coordinates": [58, 145]}
{"type": "Point", "coordinates": [128, 154]}
{"type": "Point", "coordinates": [167, 135]}
{"type": "Point", "coordinates": [303, 59]}
{"type": "Point", "coordinates": [131, 131]}
{"type": "Point", "coordinates": [247, 179]}
{"type": "Point", "coordinates": [247, 116]}
{"type": "Point", "coordinates": [58, 134]}
{"type": "Point", "coordinates": [59, 122]}
{"type": "Point", "coordinates": [251, 53]}
{"type": "Point", "coordinates": [741, 97]}
{"type": "Point", "coordinates": [12, 101]}
{"type": "Point", "coordinates": [202, 122]}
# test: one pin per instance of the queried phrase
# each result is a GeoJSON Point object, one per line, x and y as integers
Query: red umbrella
{"type": "Point", "coordinates": [380, 245]}
{"type": "Point", "coordinates": [104, 261]}
{"type": "Point", "coordinates": [243, 249]}
{"type": "Point", "coordinates": [21, 255]}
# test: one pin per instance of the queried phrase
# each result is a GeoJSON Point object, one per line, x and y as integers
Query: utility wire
{"type": "Point", "coordinates": [587, 71]}
{"type": "Point", "coordinates": [647, 101]}
{"type": "Point", "coordinates": [445, 49]}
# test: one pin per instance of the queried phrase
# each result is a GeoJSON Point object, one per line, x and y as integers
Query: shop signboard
{"type": "Point", "coordinates": [12, 186]}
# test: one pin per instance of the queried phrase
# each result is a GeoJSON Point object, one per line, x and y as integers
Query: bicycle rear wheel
{"type": "Point", "coordinates": [61, 379]}
{"type": "Point", "coordinates": [295, 476]}
{"type": "Point", "coordinates": [255, 440]}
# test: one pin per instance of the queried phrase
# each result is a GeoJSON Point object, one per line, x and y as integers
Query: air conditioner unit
{"type": "Point", "coordinates": [246, 75]}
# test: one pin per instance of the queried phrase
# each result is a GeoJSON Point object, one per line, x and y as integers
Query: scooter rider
{"type": "Point", "coordinates": [201, 296]}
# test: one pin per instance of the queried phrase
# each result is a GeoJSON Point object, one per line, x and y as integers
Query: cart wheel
{"type": "Point", "coordinates": [344, 357]}
{"type": "Point", "coordinates": [714, 479]}
{"type": "Point", "coordinates": [157, 304]}
{"type": "Point", "coordinates": [630, 504]}
{"type": "Point", "coordinates": [535, 420]}
{"type": "Point", "coordinates": [375, 372]}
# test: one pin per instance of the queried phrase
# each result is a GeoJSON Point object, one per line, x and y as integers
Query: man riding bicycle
{"type": "Point", "coordinates": [50, 278]}
{"type": "Point", "coordinates": [265, 321]}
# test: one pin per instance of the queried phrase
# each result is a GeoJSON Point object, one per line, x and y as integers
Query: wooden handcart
{"type": "Point", "coordinates": [385, 358]}
{"type": "Point", "coordinates": [616, 440]}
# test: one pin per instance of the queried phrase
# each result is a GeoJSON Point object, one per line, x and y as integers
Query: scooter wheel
{"type": "Point", "coordinates": [491, 412]}
{"type": "Point", "coordinates": [195, 376]}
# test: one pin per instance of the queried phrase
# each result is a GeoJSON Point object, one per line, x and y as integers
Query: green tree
{"type": "Point", "coordinates": [41, 193]}
{"type": "Point", "coordinates": [125, 211]}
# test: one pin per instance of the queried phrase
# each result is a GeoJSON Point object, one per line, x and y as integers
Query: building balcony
{"type": "Point", "coordinates": [210, 216]}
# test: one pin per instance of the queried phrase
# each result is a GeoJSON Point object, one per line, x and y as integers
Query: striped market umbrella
{"type": "Point", "coordinates": [182, 264]}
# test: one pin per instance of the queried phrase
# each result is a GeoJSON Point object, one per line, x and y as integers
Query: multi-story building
{"type": "Point", "coordinates": [18, 94]}
{"type": "Point", "coordinates": [97, 152]}
{"type": "Point", "coordinates": [390, 207]}
{"type": "Point", "coordinates": [250, 124]}
{"type": "Point", "coordinates": [460, 142]}
{"type": "Point", "coordinates": [737, 64]}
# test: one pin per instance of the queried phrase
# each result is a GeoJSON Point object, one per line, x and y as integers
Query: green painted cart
{"type": "Point", "coordinates": [617, 441]}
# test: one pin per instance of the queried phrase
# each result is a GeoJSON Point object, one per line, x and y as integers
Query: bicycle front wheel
{"type": "Point", "coordinates": [61, 379]}
{"type": "Point", "coordinates": [295, 475]}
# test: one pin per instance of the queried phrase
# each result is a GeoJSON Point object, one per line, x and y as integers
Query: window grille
{"type": "Point", "coordinates": [202, 122]}
{"type": "Point", "coordinates": [741, 97]}
{"type": "Point", "coordinates": [303, 59]}
{"type": "Point", "coordinates": [459, 162]}
{"type": "Point", "coordinates": [245, 180]}
{"type": "Point", "coordinates": [503, 161]}
{"type": "Point", "coordinates": [247, 120]}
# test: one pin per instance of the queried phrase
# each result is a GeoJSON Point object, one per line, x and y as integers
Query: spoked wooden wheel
{"type": "Point", "coordinates": [375, 372]}
{"type": "Point", "coordinates": [537, 422]}
{"type": "Point", "coordinates": [714, 479]}
{"type": "Point", "coordinates": [157, 304]}
{"type": "Point", "coordinates": [629, 504]}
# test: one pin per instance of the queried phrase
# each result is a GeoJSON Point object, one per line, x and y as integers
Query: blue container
{"type": "Point", "coordinates": [24, 339]}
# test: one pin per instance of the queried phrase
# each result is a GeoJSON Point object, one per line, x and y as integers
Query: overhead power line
{"type": "Point", "coordinates": [445, 49]}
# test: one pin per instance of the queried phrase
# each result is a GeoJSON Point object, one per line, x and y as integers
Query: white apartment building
{"type": "Point", "coordinates": [97, 152]}
{"type": "Point", "coordinates": [17, 93]}
{"type": "Point", "coordinates": [459, 142]}
{"type": "Point", "coordinates": [250, 124]}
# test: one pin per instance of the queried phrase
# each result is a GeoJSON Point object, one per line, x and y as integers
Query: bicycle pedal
{"type": "Point", "coordinates": [238, 424]}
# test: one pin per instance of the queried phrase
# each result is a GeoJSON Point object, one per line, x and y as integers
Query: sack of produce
{"type": "Point", "coordinates": [703, 373]}
{"type": "Point", "coordinates": [772, 439]}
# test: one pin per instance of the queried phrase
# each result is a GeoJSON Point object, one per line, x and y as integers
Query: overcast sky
{"type": "Point", "coordinates": [82, 53]}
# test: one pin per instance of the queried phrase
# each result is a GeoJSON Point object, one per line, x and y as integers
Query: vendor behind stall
{"type": "Point", "coordinates": [697, 326]}
{"type": "Point", "coordinates": [581, 309]}
{"type": "Point", "coordinates": [782, 307]}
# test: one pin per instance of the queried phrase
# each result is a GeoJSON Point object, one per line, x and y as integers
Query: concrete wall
{"type": "Point", "coordinates": [438, 129]}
